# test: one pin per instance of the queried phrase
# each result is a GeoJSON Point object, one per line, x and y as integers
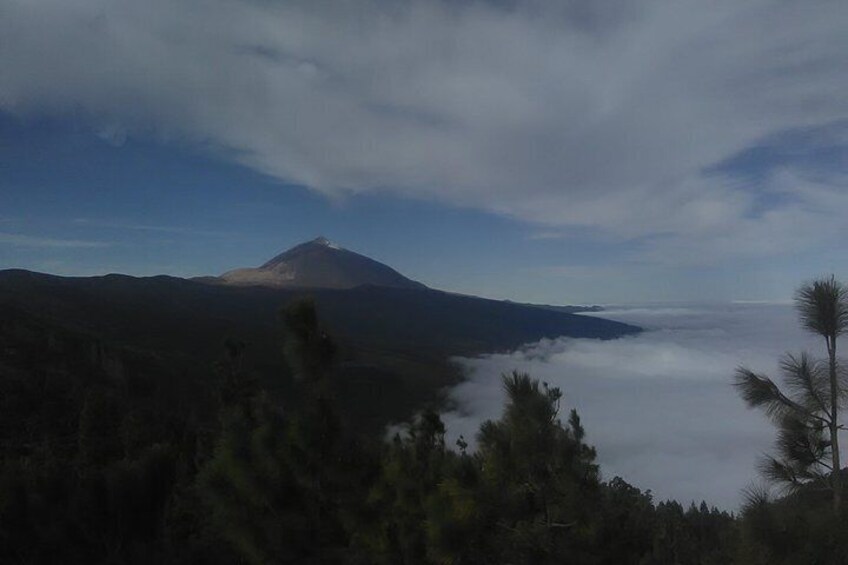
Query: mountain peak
{"type": "Point", "coordinates": [324, 242]}
{"type": "Point", "coordinates": [318, 263]}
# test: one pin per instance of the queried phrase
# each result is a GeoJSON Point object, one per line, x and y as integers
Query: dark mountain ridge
{"type": "Point", "coordinates": [396, 343]}
{"type": "Point", "coordinates": [397, 336]}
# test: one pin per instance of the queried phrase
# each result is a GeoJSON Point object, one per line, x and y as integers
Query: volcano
{"type": "Point", "coordinates": [319, 263]}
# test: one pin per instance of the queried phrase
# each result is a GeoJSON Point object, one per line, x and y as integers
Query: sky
{"type": "Point", "coordinates": [579, 151]}
{"type": "Point", "coordinates": [659, 406]}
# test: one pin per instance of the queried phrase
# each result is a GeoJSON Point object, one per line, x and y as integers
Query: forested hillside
{"type": "Point", "coordinates": [117, 471]}
{"type": "Point", "coordinates": [121, 471]}
{"type": "Point", "coordinates": [165, 332]}
{"type": "Point", "coordinates": [120, 446]}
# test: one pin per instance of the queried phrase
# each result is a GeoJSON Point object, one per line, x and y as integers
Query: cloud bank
{"type": "Point", "coordinates": [599, 114]}
{"type": "Point", "coordinates": [659, 407]}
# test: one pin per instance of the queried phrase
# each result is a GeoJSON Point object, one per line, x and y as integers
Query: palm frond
{"type": "Point", "coordinates": [823, 306]}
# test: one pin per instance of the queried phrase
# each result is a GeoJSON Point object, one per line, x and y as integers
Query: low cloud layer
{"type": "Point", "coordinates": [606, 115]}
{"type": "Point", "coordinates": [659, 406]}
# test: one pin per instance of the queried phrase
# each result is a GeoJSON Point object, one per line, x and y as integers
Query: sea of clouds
{"type": "Point", "coordinates": [659, 406]}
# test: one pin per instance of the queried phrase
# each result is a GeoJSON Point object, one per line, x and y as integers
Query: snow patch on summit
{"type": "Point", "coordinates": [326, 243]}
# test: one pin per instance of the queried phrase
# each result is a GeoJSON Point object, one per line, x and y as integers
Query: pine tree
{"type": "Point", "coordinates": [807, 414]}
{"type": "Point", "coordinates": [531, 498]}
{"type": "Point", "coordinates": [278, 483]}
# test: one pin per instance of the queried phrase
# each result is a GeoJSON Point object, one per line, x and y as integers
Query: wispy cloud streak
{"type": "Point", "coordinates": [20, 240]}
{"type": "Point", "coordinates": [130, 226]}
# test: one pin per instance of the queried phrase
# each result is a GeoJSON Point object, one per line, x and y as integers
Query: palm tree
{"type": "Point", "coordinates": [811, 405]}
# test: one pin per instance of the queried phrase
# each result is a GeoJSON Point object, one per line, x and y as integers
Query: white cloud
{"type": "Point", "coordinates": [586, 113]}
{"type": "Point", "coordinates": [812, 212]}
{"type": "Point", "coordinates": [19, 240]}
{"type": "Point", "coordinates": [659, 406]}
{"type": "Point", "coordinates": [130, 226]}
{"type": "Point", "coordinates": [586, 272]}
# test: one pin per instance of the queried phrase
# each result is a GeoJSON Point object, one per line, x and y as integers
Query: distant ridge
{"type": "Point", "coordinates": [396, 344]}
{"type": "Point", "coordinates": [319, 263]}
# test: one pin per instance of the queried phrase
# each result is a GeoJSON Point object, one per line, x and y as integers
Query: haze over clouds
{"type": "Point", "coordinates": [629, 119]}
{"type": "Point", "coordinates": [659, 407]}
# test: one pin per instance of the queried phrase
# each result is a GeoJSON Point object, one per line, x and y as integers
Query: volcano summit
{"type": "Point", "coordinates": [318, 264]}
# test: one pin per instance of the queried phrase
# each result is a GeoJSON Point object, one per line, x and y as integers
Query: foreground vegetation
{"type": "Point", "coordinates": [109, 473]}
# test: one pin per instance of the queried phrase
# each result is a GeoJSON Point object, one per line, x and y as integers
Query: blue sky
{"type": "Point", "coordinates": [552, 152]}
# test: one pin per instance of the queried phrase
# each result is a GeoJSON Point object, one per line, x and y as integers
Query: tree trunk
{"type": "Point", "coordinates": [834, 425]}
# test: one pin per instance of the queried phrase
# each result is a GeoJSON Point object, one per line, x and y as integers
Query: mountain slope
{"type": "Point", "coordinates": [396, 343]}
{"type": "Point", "coordinates": [317, 264]}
